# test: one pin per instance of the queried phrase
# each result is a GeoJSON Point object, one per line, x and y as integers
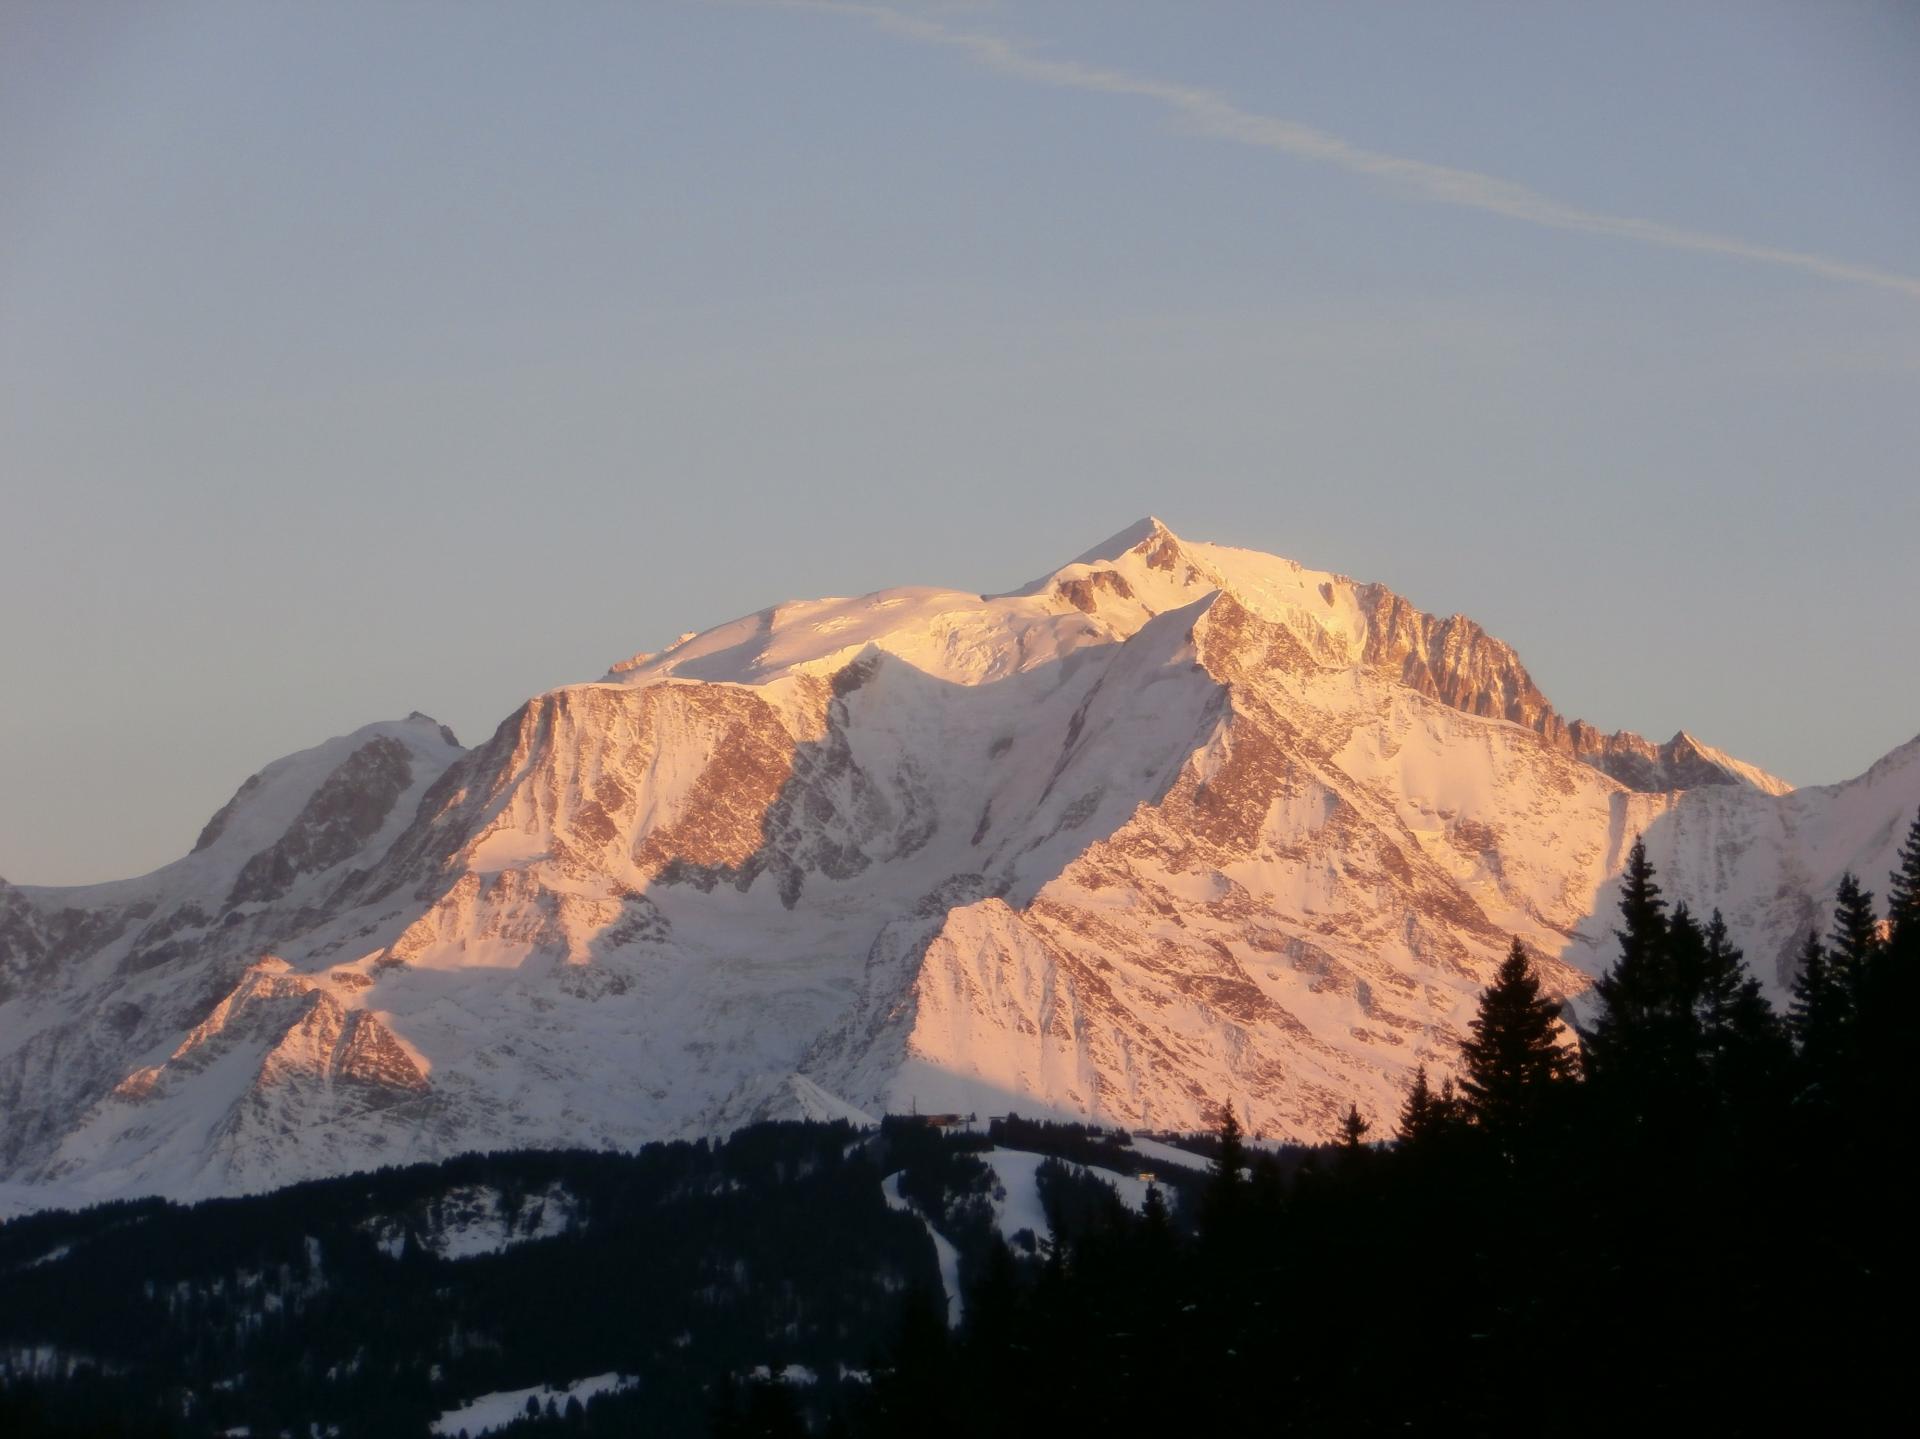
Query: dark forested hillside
{"type": "Point", "coordinates": [331, 1302]}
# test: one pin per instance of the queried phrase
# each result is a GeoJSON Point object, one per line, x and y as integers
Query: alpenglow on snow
{"type": "Point", "coordinates": [1175, 824]}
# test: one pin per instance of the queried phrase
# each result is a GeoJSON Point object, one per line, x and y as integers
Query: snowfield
{"type": "Point", "coordinates": [1173, 825]}
{"type": "Point", "coordinates": [944, 1252]}
{"type": "Point", "coordinates": [496, 1411]}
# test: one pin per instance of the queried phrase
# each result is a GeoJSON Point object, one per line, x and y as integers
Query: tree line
{"type": "Point", "coordinates": [1685, 1210]}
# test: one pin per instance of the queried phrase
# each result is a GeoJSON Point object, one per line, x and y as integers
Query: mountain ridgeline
{"type": "Point", "coordinates": [1174, 821]}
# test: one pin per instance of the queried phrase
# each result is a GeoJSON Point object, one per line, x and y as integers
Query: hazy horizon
{"type": "Point", "coordinates": [357, 360]}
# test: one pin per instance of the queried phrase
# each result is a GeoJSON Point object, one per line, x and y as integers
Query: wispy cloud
{"type": "Point", "coordinates": [1210, 114]}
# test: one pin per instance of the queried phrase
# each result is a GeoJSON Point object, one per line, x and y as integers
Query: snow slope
{"type": "Point", "coordinates": [944, 1253]}
{"type": "Point", "coordinates": [489, 1412]}
{"type": "Point", "coordinates": [1172, 824]}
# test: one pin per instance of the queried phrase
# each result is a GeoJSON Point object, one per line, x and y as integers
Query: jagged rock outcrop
{"type": "Point", "coordinates": [1173, 824]}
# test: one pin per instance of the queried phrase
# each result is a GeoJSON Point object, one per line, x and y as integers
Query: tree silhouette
{"type": "Point", "coordinates": [1745, 1046]}
{"type": "Point", "coordinates": [1232, 1157]}
{"type": "Point", "coordinates": [1817, 1015]}
{"type": "Point", "coordinates": [1353, 1129]}
{"type": "Point", "coordinates": [1622, 1049]}
{"type": "Point", "coordinates": [1514, 1059]}
{"type": "Point", "coordinates": [1420, 1115]}
{"type": "Point", "coordinates": [1855, 939]}
{"type": "Point", "coordinates": [1903, 895]}
{"type": "Point", "coordinates": [1222, 1203]}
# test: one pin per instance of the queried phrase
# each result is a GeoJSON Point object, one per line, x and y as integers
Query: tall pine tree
{"type": "Point", "coordinates": [1885, 996]}
{"type": "Point", "coordinates": [1855, 941]}
{"type": "Point", "coordinates": [1645, 1052]}
{"type": "Point", "coordinates": [1514, 1059]}
{"type": "Point", "coordinates": [1818, 1015]}
{"type": "Point", "coordinates": [1420, 1116]}
{"type": "Point", "coordinates": [1225, 1197]}
{"type": "Point", "coordinates": [1896, 989]}
{"type": "Point", "coordinates": [1745, 1046]}
{"type": "Point", "coordinates": [1903, 897]}
{"type": "Point", "coordinates": [1635, 990]}
{"type": "Point", "coordinates": [1353, 1129]}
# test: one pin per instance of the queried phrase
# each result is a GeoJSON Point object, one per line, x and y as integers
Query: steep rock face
{"type": "Point", "coordinates": [1453, 661]}
{"type": "Point", "coordinates": [321, 1081]}
{"type": "Point", "coordinates": [343, 814]}
{"type": "Point", "coordinates": [1271, 929]}
{"type": "Point", "coordinates": [1174, 824]}
{"type": "Point", "coordinates": [1459, 664]}
{"type": "Point", "coordinates": [101, 982]}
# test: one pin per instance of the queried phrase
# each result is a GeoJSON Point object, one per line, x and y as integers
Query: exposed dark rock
{"type": "Point", "coordinates": [343, 814]}
{"type": "Point", "coordinates": [1455, 661]}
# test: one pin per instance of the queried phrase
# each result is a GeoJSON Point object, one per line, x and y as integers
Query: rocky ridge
{"type": "Point", "coordinates": [1174, 824]}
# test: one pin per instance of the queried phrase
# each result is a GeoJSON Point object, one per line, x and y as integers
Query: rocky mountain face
{"type": "Point", "coordinates": [1461, 665]}
{"type": "Point", "coordinates": [1174, 825]}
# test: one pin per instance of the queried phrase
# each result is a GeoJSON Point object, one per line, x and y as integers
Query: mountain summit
{"type": "Point", "coordinates": [1173, 825]}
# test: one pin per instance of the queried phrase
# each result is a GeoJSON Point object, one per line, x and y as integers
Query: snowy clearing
{"type": "Point", "coordinates": [943, 1249]}
{"type": "Point", "coordinates": [496, 1411]}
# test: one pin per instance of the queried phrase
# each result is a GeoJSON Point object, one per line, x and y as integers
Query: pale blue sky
{"type": "Point", "coordinates": [363, 358]}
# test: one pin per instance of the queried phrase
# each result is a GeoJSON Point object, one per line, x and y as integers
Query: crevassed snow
{"type": "Point", "coordinates": [497, 1410]}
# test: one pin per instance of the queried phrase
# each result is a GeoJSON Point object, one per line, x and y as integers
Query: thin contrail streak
{"type": "Point", "coordinates": [1207, 113]}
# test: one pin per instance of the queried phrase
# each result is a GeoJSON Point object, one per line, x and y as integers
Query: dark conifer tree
{"type": "Point", "coordinates": [1514, 1059]}
{"type": "Point", "coordinates": [1420, 1114]}
{"type": "Point", "coordinates": [1886, 994]}
{"type": "Point", "coordinates": [1723, 972]}
{"type": "Point", "coordinates": [1232, 1158]}
{"type": "Point", "coordinates": [1903, 896]}
{"type": "Point", "coordinates": [1817, 1016]}
{"type": "Point", "coordinates": [1678, 1049]}
{"type": "Point", "coordinates": [1746, 1048]}
{"type": "Point", "coordinates": [1622, 1050]}
{"type": "Point", "coordinates": [1855, 941]}
{"type": "Point", "coordinates": [1157, 1223]}
{"type": "Point", "coordinates": [1226, 1183]}
{"type": "Point", "coordinates": [1353, 1129]}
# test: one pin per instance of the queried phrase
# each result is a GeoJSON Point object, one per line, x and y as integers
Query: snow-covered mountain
{"type": "Point", "coordinates": [1175, 824]}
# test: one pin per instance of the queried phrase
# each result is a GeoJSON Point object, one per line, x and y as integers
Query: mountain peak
{"type": "Point", "coordinates": [1109, 592]}
{"type": "Point", "coordinates": [1136, 535]}
{"type": "Point", "coordinates": [1179, 820]}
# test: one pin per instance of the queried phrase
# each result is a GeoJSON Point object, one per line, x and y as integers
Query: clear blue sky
{"type": "Point", "coordinates": [359, 358]}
